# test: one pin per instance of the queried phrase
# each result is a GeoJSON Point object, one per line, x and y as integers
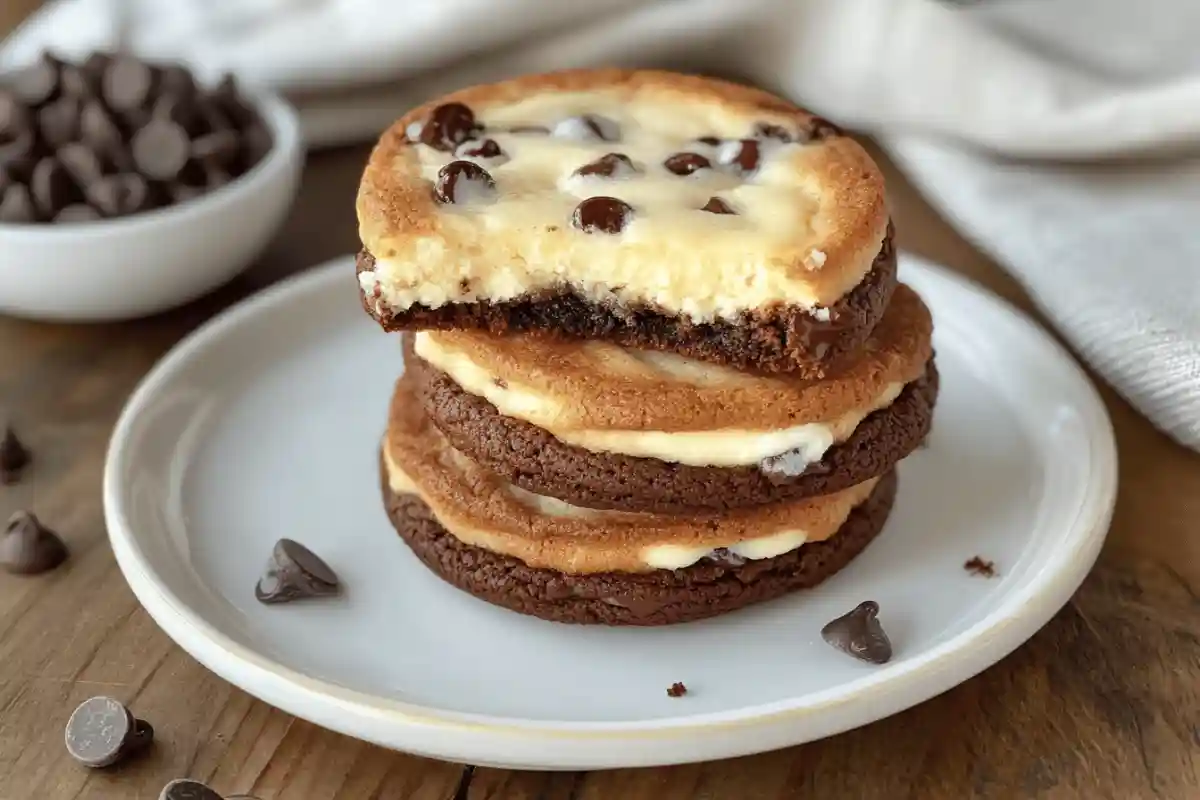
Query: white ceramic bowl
{"type": "Point", "coordinates": [144, 263]}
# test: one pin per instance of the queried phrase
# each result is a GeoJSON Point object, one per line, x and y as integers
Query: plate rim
{"type": "Point", "coordinates": [1028, 609]}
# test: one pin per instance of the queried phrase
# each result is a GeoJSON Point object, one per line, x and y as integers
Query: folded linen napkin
{"type": "Point", "coordinates": [1059, 135]}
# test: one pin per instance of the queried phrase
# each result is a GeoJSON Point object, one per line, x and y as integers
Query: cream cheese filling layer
{"type": "Point", "coordinates": [800, 445]}
{"type": "Point", "coordinates": [657, 556]}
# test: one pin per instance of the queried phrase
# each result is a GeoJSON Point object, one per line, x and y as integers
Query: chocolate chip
{"type": "Point", "coordinates": [102, 732]}
{"type": "Point", "coordinates": [52, 188]}
{"type": "Point", "coordinates": [16, 206]}
{"type": "Point", "coordinates": [184, 789]}
{"type": "Point", "coordinates": [765, 130]}
{"type": "Point", "coordinates": [120, 194]}
{"type": "Point", "coordinates": [38, 83]}
{"type": "Point", "coordinates": [586, 128]}
{"type": "Point", "coordinates": [716, 205]}
{"type": "Point", "coordinates": [686, 163]}
{"type": "Point", "coordinates": [183, 111]}
{"type": "Point", "coordinates": [294, 573]}
{"type": "Point", "coordinates": [59, 121]}
{"type": "Point", "coordinates": [725, 557]}
{"type": "Point", "coordinates": [610, 165]}
{"type": "Point", "coordinates": [97, 128]}
{"type": "Point", "coordinates": [818, 129]}
{"type": "Point", "coordinates": [742, 154]}
{"type": "Point", "coordinates": [978, 566]}
{"type": "Point", "coordinates": [127, 84]}
{"type": "Point", "coordinates": [463, 182]}
{"type": "Point", "coordinates": [15, 118]}
{"type": "Point", "coordinates": [859, 634]}
{"type": "Point", "coordinates": [81, 163]}
{"type": "Point", "coordinates": [174, 80]}
{"type": "Point", "coordinates": [77, 212]}
{"type": "Point", "coordinates": [182, 192]}
{"type": "Point", "coordinates": [676, 689]}
{"type": "Point", "coordinates": [534, 129]}
{"type": "Point", "coordinates": [96, 63]}
{"type": "Point", "coordinates": [219, 148]}
{"type": "Point", "coordinates": [483, 148]}
{"type": "Point", "coordinates": [78, 83]}
{"type": "Point", "coordinates": [14, 457]}
{"type": "Point", "coordinates": [602, 215]}
{"type": "Point", "coordinates": [29, 548]}
{"type": "Point", "coordinates": [711, 141]}
{"type": "Point", "coordinates": [17, 155]}
{"type": "Point", "coordinates": [160, 149]}
{"type": "Point", "coordinates": [448, 126]}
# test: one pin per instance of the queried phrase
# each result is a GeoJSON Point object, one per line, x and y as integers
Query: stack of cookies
{"type": "Point", "coordinates": [658, 365]}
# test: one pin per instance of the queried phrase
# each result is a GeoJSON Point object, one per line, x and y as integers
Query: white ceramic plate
{"type": "Point", "coordinates": [265, 423]}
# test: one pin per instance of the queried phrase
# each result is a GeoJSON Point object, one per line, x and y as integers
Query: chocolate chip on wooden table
{"type": "Point", "coordinates": [743, 155]}
{"type": "Point", "coordinates": [29, 548]}
{"type": "Point", "coordinates": [859, 634]}
{"type": "Point", "coordinates": [185, 789]}
{"type": "Point", "coordinates": [448, 126]}
{"type": "Point", "coordinates": [686, 163]}
{"type": "Point", "coordinates": [587, 128]}
{"type": "Point", "coordinates": [609, 165]}
{"type": "Point", "coordinates": [716, 205]}
{"type": "Point", "coordinates": [14, 457]}
{"type": "Point", "coordinates": [462, 182]}
{"type": "Point", "coordinates": [295, 573]}
{"type": "Point", "coordinates": [102, 732]}
{"type": "Point", "coordinates": [602, 215]}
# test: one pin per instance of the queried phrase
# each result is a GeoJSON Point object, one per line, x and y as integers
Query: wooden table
{"type": "Point", "coordinates": [1103, 703]}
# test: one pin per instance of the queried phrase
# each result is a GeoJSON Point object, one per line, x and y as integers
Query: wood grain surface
{"type": "Point", "coordinates": [1102, 703]}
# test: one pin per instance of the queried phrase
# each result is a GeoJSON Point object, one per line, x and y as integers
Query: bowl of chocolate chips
{"type": "Point", "coordinates": [128, 187]}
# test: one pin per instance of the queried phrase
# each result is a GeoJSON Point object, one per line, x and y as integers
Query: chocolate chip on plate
{"type": "Point", "coordinates": [295, 573]}
{"type": "Point", "coordinates": [52, 188]}
{"type": "Point", "coordinates": [448, 126]}
{"type": "Point", "coordinates": [587, 128]}
{"type": "Point", "coordinates": [610, 165]}
{"type": "Point", "coordinates": [766, 130]}
{"type": "Point", "coordinates": [127, 83]}
{"type": "Point", "coordinates": [741, 154]}
{"type": "Point", "coordinates": [686, 163]}
{"type": "Point", "coordinates": [160, 150]}
{"type": "Point", "coordinates": [120, 194]}
{"type": "Point", "coordinates": [14, 457]}
{"type": "Point", "coordinates": [38, 83]}
{"type": "Point", "coordinates": [102, 732]}
{"type": "Point", "coordinates": [29, 548]}
{"type": "Point", "coordinates": [16, 205]}
{"type": "Point", "coordinates": [676, 689]}
{"type": "Point", "coordinates": [483, 148]}
{"type": "Point", "coordinates": [184, 789]}
{"type": "Point", "coordinates": [463, 182]}
{"type": "Point", "coordinates": [716, 205]}
{"type": "Point", "coordinates": [859, 634]}
{"type": "Point", "coordinates": [602, 215]}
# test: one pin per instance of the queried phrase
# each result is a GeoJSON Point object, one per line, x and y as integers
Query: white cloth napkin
{"type": "Point", "coordinates": [1062, 136]}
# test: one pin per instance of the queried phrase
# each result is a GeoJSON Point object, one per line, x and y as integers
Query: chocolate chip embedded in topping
{"type": "Point", "coordinates": [160, 149]}
{"type": "Point", "coordinates": [711, 141]}
{"type": "Point", "coordinates": [741, 154]}
{"type": "Point", "coordinates": [14, 457]}
{"type": "Point", "coordinates": [765, 130]}
{"type": "Point", "coordinates": [52, 188]}
{"type": "Point", "coordinates": [183, 789]}
{"type": "Point", "coordinates": [127, 84]}
{"type": "Point", "coordinates": [534, 129]}
{"type": "Point", "coordinates": [716, 205]}
{"type": "Point", "coordinates": [483, 148]}
{"type": "Point", "coordinates": [38, 83]}
{"type": "Point", "coordinates": [602, 215]}
{"type": "Point", "coordinates": [859, 634]}
{"type": "Point", "coordinates": [448, 126]}
{"type": "Point", "coordinates": [463, 182]}
{"type": "Point", "coordinates": [610, 165]}
{"type": "Point", "coordinates": [16, 205]}
{"type": "Point", "coordinates": [686, 163]}
{"type": "Point", "coordinates": [121, 194]}
{"type": "Point", "coordinates": [588, 127]}
{"type": "Point", "coordinates": [29, 548]}
{"type": "Point", "coordinates": [102, 732]}
{"type": "Point", "coordinates": [295, 573]}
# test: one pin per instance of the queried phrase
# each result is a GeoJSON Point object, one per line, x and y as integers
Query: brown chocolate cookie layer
{"type": "Point", "coordinates": [785, 339]}
{"type": "Point", "coordinates": [535, 460]}
{"type": "Point", "coordinates": [662, 597]}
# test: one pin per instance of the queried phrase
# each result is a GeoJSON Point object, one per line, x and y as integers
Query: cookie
{"type": "Point", "coordinates": [652, 209]}
{"type": "Point", "coordinates": [661, 597]}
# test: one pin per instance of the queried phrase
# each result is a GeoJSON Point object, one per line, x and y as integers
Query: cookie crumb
{"type": "Point", "coordinates": [979, 566]}
{"type": "Point", "coordinates": [676, 689]}
{"type": "Point", "coordinates": [500, 383]}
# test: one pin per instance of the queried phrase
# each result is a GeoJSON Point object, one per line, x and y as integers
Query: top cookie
{"type": "Point", "coordinates": [576, 200]}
